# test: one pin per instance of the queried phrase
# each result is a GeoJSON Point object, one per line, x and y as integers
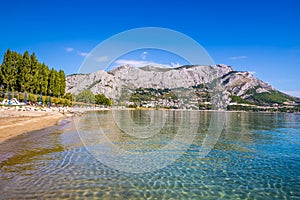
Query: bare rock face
{"type": "Point", "coordinates": [113, 82]}
{"type": "Point", "coordinates": [185, 76]}
{"type": "Point", "coordinates": [238, 83]}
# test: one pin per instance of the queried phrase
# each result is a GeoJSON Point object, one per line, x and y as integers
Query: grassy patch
{"type": "Point", "coordinates": [240, 100]}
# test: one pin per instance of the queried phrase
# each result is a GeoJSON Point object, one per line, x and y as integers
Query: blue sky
{"type": "Point", "coordinates": [149, 56]}
{"type": "Point", "coordinates": [257, 36]}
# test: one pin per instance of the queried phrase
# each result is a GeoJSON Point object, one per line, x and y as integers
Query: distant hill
{"type": "Point", "coordinates": [198, 85]}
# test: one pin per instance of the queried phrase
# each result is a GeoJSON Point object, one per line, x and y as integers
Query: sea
{"type": "Point", "coordinates": [156, 154]}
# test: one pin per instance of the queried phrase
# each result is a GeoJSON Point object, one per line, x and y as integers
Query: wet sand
{"type": "Point", "coordinates": [14, 122]}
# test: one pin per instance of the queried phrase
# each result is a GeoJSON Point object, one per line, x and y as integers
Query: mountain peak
{"type": "Point", "coordinates": [233, 83]}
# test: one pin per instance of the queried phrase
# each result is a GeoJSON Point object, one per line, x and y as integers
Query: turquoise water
{"type": "Point", "coordinates": [254, 156]}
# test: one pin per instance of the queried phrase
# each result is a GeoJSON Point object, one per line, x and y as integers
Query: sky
{"type": "Point", "coordinates": [149, 56]}
{"type": "Point", "coordinates": [262, 37]}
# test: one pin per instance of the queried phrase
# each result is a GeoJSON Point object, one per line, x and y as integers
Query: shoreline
{"type": "Point", "coordinates": [14, 122]}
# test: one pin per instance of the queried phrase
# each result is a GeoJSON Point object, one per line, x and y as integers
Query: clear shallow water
{"type": "Point", "coordinates": [256, 156]}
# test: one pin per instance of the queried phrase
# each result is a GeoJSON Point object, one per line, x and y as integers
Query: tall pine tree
{"type": "Point", "coordinates": [24, 73]}
{"type": "Point", "coordinates": [51, 82]}
{"type": "Point", "coordinates": [34, 74]}
{"type": "Point", "coordinates": [43, 79]}
{"type": "Point", "coordinates": [62, 83]}
{"type": "Point", "coordinates": [24, 76]}
{"type": "Point", "coordinates": [9, 70]}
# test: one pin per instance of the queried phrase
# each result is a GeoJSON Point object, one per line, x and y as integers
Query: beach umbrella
{"type": "Point", "coordinates": [25, 99]}
{"type": "Point", "coordinates": [9, 98]}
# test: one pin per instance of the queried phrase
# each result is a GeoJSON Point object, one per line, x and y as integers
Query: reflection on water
{"type": "Point", "coordinates": [257, 155]}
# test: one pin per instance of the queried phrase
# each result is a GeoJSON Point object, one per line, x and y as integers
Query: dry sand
{"type": "Point", "coordinates": [13, 122]}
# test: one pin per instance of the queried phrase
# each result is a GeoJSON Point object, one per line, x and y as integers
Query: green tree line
{"type": "Point", "coordinates": [86, 96]}
{"type": "Point", "coordinates": [24, 73]}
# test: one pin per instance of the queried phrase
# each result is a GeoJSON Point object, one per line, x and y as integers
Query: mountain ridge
{"type": "Point", "coordinates": [231, 83]}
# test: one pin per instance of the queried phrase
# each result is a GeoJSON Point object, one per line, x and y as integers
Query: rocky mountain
{"type": "Point", "coordinates": [200, 81]}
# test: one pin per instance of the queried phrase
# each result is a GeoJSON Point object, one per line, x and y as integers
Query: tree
{"type": "Point", "coordinates": [70, 96]}
{"type": "Point", "coordinates": [62, 82]}
{"type": "Point", "coordinates": [24, 76]}
{"type": "Point", "coordinates": [51, 82]}
{"type": "Point", "coordinates": [25, 73]}
{"type": "Point", "coordinates": [43, 79]}
{"type": "Point", "coordinates": [9, 70]}
{"type": "Point", "coordinates": [101, 99]}
{"type": "Point", "coordinates": [34, 74]}
{"type": "Point", "coordinates": [86, 96]}
{"type": "Point", "coordinates": [56, 91]}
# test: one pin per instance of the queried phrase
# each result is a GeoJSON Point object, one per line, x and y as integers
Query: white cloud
{"type": "Point", "coordinates": [142, 63]}
{"type": "Point", "coordinates": [144, 55]}
{"type": "Point", "coordinates": [102, 59]}
{"type": "Point", "coordinates": [84, 54]}
{"type": "Point", "coordinates": [69, 49]}
{"type": "Point", "coordinates": [295, 93]}
{"type": "Point", "coordinates": [238, 57]}
{"type": "Point", "coordinates": [174, 65]}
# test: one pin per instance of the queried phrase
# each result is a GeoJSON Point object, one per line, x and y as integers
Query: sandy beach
{"type": "Point", "coordinates": [14, 122]}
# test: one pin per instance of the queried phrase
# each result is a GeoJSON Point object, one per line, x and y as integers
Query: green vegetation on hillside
{"type": "Point", "coordinates": [272, 101]}
{"type": "Point", "coordinates": [24, 73]}
{"type": "Point", "coordinates": [240, 100]}
{"type": "Point", "coordinates": [86, 96]}
{"type": "Point", "coordinates": [268, 98]}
